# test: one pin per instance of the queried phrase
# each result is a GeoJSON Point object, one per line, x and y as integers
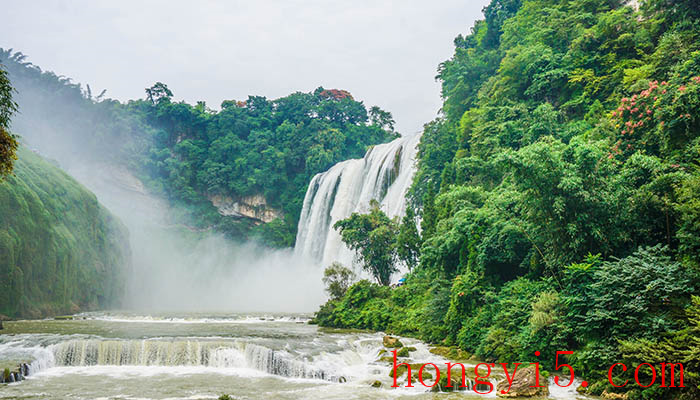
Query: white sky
{"type": "Point", "coordinates": [384, 52]}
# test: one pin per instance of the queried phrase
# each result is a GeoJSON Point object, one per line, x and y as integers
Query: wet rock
{"type": "Point", "coordinates": [376, 384]}
{"type": "Point", "coordinates": [613, 396]}
{"type": "Point", "coordinates": [24, 369]}
{"type": "Point", "coordinates": [521, 387]}
{"type": "Point", "coordinates": [342, 379]}
{"type": "Point", "coordinates": [444, 385]}
{"type": "Point", "coordinates": [425, 375]}
{"type": "Point", "coordinates": [403, 352]}
{"type": "Point", "coordinates": [1, 325]}
{"type": "Point", "coordinates": [402, 370]}
{"type": "Point", "coordinates": [392, 342]}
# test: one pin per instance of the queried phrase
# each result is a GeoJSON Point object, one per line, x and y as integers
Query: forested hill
{"type": "Point", "coordinates": [559, 194]}
{"type": "Point", "coordinates": [62, 252]}
{"type": "Point", "coordinates": [253, 158]}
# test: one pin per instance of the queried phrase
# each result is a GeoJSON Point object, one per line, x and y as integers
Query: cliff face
{"type": "Point", "coordinates": [61, 251]}
{"type": "Point", "coordinates": [252, 207]}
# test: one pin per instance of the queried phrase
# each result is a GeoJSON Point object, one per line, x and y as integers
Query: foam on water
{"type": "Point", "coordinates": [147, 319]}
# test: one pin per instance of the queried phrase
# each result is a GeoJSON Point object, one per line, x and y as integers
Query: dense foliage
{"type": "Point", "coordinates": [190, 153]}
{"type": "Point", "coordinates": [8, 143]}
{"type": "Point", "coordinates": [373, 237]}
{"type": "Point", "coordinates": [61, 250]}
{"type": "Point", "coordinates": [559, 193]}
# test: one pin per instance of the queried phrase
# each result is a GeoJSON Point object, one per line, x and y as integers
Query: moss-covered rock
{"type": "Point", "coordinates": [403, 352]}
{"type": "Point", "coordinates": [451, 353]}
{"type": "Point", "coordinates": [454, 384]}
{"type": "Point", "coordinates": [402, 369]}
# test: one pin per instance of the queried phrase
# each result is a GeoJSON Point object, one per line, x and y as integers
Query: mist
{"type": "Point", "coordinates": [173, 266]}
{"type": "Point", "coordinates": [178, 268]}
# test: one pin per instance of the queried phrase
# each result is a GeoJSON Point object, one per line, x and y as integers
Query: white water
{"type": "Point", "coordinates": [176, 356]}
{"type": "Point", "coordinates": [384, 174]}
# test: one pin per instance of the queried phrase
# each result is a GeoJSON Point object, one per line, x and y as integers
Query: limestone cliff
{"type": "Point", "coordinates": [253, 207]}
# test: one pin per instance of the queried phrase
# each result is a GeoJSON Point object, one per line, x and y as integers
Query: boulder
{"type": "Point", "coordinates": [613, 396]}
{"type": "Point", "coordinates": [402, 369]}
{"type": "Point", "coordinates": [442, 385]}
{"type": "Point", "coordinates": [522, 382]}
{"type": "Point", "coordinates": [376, 384]}
{"type": "Point", "coordinates": [403, 352]}
{"type": "Point", "coordinates": [392, 342]}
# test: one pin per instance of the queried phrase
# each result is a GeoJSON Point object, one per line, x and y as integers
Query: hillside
{"type": "Point", "coordinates": [242, 170]}
{"type": "Point", "coordinates": [61, 250]}
{"type": "Point", "coordinates": [559, 194]}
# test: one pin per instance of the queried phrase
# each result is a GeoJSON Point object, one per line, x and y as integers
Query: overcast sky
{"type": "Point", "coordinates": [384, 52]}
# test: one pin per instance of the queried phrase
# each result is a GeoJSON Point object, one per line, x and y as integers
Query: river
{"type": "Point", "coordinates": [202, 356]}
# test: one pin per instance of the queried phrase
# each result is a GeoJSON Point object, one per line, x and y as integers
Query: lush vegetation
{"type": "Point", "coordinates": [8, 143]}
{"type": "Point", "coordinates": [61, 250]}
{"type": "Point", "coordinates": [559, 194]}
{"type": "Point", "coordinates": [190, 153]}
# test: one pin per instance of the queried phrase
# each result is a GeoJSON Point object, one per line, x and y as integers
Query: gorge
{"type": "Point", "coordinates": [283, 247]}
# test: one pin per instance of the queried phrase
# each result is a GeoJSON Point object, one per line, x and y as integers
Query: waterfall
{"type": "Point", "coordinates": [384, 174]}
{"type": "Point", "coordinates": [90, 352]}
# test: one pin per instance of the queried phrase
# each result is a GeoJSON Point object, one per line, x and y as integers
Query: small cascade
{"type": "Point", "coordinates": [281, 363]}
{"type": "Point", "coordinates": [92, 352]}
{"type": "Point", "coordinates": [384, 174]}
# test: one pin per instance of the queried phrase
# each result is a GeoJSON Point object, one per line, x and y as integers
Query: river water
{"type": "Point", "coordinates": [202, 356]}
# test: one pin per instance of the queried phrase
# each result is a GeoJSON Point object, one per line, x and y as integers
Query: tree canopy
{"type": "Point", "coordinates": [558, 192]}
{"type": "Point", "coordinates": [189, 153]}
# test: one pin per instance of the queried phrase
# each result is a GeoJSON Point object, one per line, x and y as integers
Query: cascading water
{"type": "Point", "coordinates": [384, 174]}
{"type": "Point", "coordinates": [197, 353]}
{"type": "Point", "coordinates": [196, 356]}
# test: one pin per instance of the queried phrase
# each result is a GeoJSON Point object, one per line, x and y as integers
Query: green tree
{"type": "Point", "coordinates": [337, 279]}
{"type": "Point", "coordinates": [158, 92]}
{"type": "Point", "coordinates": [408, 241]}
{"type": "Point", "coordinates": [8, 142]}
{"type": "Point", "coordinates": [373, 237]}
